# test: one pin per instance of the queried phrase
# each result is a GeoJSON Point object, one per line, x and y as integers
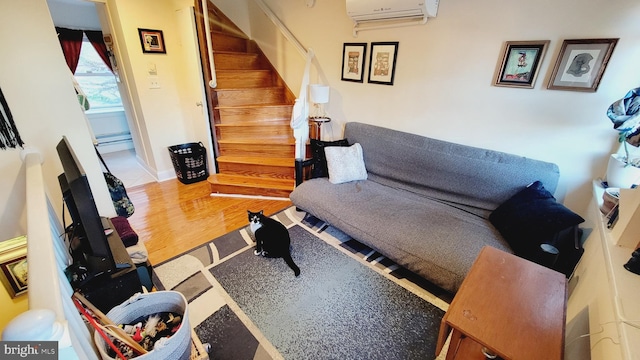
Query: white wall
{"type": "Point", "coordinates": [443, 81]}
{"type": "Point", "coordinates": [41, 97]}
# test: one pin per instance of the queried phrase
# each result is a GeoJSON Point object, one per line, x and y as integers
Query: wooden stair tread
{"type": "Point", "coordinates": [228, 52]}
{"type": "Point", "coordinates": [258, 123]}
{"type": "Point", "coordinates": [264, 141]}
{"type": "Point", "coordinates": [251, 106]}
{"type": "Point", "coordinates": [252, 181]}
{"type": "Point", "coordinates": [226, 71]}
{"type": "Point", "coordinates": [270, 161]}
{"type": "Point", "coordinates": [262, 88]}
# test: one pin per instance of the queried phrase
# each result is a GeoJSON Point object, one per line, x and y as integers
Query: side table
{"type": "Point", "coordinates": [514, 308]}
{"type": "Point", "coordinates": [317, 126]}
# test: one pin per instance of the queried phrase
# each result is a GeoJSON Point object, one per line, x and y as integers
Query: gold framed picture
{"type": "Point", "coordinates": [13, 262]}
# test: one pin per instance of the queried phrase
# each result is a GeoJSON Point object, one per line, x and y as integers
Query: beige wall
{"type": "Point", "coordinates": [443, 82]}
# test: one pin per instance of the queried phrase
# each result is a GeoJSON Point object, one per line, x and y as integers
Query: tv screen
{"type": "Point", "coordinates": [87, 225]}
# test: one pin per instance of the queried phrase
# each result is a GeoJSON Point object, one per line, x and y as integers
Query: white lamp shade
{"type": "Point", "coordinates": [319, 93]}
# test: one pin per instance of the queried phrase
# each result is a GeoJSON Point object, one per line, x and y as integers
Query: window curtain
{"type": "Point", "coordinates": [71, 42]}
{"type": "Point", "coordinates": [96, 39]}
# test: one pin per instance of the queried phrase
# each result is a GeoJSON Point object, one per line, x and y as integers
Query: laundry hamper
{"type": "Point", "coordinates": [190, 162]}
{"type": "Point", "coordinates": [178, 346]}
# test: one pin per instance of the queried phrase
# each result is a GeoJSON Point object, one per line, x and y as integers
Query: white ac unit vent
{"type": "Point", "coordinates": [379, 10]}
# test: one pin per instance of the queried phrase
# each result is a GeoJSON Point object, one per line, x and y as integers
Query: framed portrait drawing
{"type": "Point", "coordinates": [581, 64]}
{"type": "Point", "coordinates": [152, 41]}
{"type": "Point", "coordinates": [353, 56]}
{"type": "Point", "coordinates": [382, 62]}
{"type": "Point", "coordinates": [519, 63]}
{"type": "Point", "coordinates": [13, 262]}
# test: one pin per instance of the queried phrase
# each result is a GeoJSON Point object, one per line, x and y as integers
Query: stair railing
{"type": "Point", "coordinates": [49, 290]}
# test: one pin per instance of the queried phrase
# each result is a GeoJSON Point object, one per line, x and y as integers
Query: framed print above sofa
{"type": "Point", "coordinates": [581, 64]}
{"type": "Point", "coordinates": [353, 55]}
{"type": "Point", "coordinates": [519, 63]}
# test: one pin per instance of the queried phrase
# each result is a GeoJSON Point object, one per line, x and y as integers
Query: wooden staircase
{"type": "Point", "coordinates": [255, 147]}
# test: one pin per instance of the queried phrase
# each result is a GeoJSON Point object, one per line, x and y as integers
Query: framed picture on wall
{"type": "Point", "coordinates": [581, 64]}
{"type": "Point", "coordinates": [152, 41]}
{"type": "Point", "coordinates": [353, 56]}
{"type": "Point", "coordinates": [518, 66]}
{"type": "Point", "coordinates": [382, 62]}
{"type": "Point", "coordinates": [13, 262]}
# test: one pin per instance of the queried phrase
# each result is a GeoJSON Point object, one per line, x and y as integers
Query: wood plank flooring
{"type": "Point", "coordinates": [171, 217]}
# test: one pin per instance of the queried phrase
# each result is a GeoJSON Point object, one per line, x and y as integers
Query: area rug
{"type": "Point", "coordinates": [349, 302]}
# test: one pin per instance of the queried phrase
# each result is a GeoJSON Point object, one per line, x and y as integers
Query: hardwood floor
{"type": "Point", "coordinates": [171, 217]}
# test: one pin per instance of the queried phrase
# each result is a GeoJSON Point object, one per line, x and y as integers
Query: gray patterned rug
{"type": "Point", "coordinates": [349, 302]}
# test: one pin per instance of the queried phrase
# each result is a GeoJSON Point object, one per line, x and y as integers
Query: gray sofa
{"type": "Point", "coordinates": [426, 202]}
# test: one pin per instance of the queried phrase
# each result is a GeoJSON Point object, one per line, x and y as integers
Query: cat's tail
{"type": "Point", "coordinates": [287, 258]}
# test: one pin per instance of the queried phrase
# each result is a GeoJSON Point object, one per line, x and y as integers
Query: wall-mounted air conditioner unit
{"type": "Point", "coordinates": [385, 10]}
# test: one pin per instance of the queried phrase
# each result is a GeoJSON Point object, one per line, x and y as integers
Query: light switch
{"type": "Point", "coordinates": [152, 69]}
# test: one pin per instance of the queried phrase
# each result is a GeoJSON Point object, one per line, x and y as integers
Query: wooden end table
{"type": "Point", "coordinates": [514, 308]}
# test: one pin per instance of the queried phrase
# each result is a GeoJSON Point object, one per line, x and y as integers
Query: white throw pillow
{"type": "Point", "coordinates": [345, 163]}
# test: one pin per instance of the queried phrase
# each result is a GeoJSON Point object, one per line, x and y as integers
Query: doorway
{"type": "Point", "coordinates": [106, 116]}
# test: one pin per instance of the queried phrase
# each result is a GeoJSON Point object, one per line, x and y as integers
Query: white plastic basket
{"type": "Point", "coordinates": [178, 346]}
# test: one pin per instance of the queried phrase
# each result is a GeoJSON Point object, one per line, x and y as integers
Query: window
{"type": "Point", "coordinates": [96, 80]}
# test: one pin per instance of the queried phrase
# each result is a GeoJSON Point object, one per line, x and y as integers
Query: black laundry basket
{"type": "Point", "coordinates": [190, 162]}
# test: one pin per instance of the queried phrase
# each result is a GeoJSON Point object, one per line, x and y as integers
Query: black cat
{"type": "Point", "coordinates": [272, 239]}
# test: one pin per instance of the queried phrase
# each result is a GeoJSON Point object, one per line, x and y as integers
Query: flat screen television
{"type": "Point", "coordinates": [90, 246]}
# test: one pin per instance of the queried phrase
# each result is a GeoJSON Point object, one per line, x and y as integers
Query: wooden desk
{"type": "Point", "coordinates": [511, 306]}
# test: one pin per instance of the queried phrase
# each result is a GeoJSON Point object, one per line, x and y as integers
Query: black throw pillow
{"type": "Point", "coordinates": [319, 165]}
{"type": "Point", "coordinates": [530, 218]}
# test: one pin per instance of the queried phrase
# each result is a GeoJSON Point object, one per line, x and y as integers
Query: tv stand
{"type": "Point", "coordinates": [110, 289]}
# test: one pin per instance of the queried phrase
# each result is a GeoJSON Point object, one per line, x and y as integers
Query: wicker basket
{"type": "Point", "coordinates": [178, 346]}
{"type": "Point", "coordinates": [190, 162]}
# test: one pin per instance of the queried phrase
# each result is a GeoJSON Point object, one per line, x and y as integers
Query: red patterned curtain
{"type": "Point", "coordinates": [95, 37]}
{"type": "Point", "coordinates": [71, 42]}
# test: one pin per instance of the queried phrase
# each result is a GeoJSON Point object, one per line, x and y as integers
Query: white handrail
{"type": "Point", "coordinates": [49, 291]}
{"type": "Point", "coordinates": [213, 83]}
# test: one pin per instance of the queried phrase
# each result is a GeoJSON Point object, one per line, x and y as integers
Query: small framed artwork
{"type": "Point", "coordinates": [382, 62]}
{"type": "Point", "coordinates": [13, 262]}
{"type": "Point", "coordinates": [353, 55]}
{"type": "Point", "coordinates": [519, 64]}
{"type": "Point", "coordinates": [581, 64]}
{"type": "Point", "coordinates": [152, 41]}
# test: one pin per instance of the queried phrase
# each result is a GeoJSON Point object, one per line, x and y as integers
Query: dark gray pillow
{"type": "Point", "coordinates": [530, 218]}
{"type": "Point", "coordinates": [319, 164]}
